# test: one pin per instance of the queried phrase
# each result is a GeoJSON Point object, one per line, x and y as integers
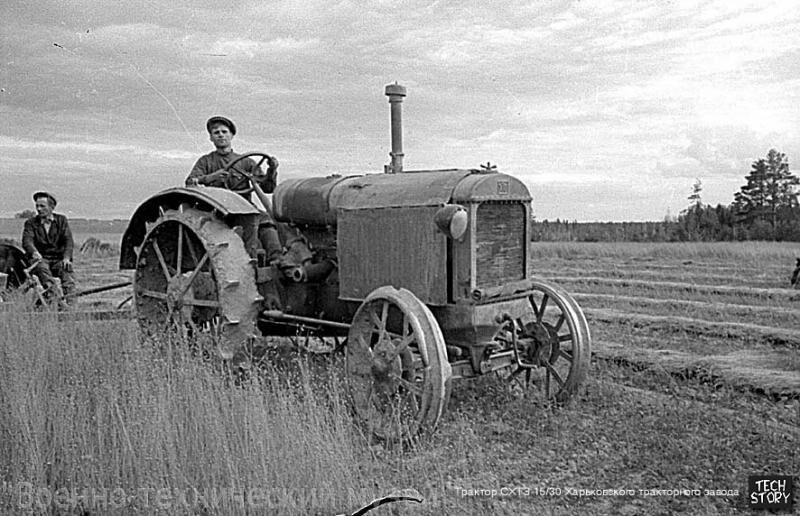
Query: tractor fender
{"type": "Point", "coordinates": [219, 200]}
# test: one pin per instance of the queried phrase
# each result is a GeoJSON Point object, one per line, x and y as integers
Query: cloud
{"type": "Point", "coordinates": [10, 145]}
{"type": "Point", "coordinates": [568, 95]}
{"type": "Point", "coordinates": [283, 48]}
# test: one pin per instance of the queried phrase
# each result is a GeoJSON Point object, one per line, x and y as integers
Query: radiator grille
{"type": "Point", "coordinates": [500, 243]}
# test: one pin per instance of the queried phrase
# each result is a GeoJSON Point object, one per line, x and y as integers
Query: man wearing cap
{"type": "Point", "coordinates": [46, 237]}
{"type": "Point", "coordinates": [210, 171]}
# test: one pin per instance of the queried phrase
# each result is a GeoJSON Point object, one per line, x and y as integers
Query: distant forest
{"type": "Point", "coordinates": [765, 208]}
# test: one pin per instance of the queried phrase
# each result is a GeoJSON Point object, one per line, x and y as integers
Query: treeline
{"type": "Point", "coordinates": [12, 228]}
{"type": "Point", "coordinates": [708, 223]}
{"type": "Point", "coordinates": [765, 208]}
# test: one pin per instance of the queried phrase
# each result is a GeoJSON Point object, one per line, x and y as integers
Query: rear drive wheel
{"type": "Point", "coordinates": [193, 274]}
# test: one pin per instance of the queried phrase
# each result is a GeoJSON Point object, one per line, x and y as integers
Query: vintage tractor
{"type": "Point", "coordinates": [426, 273]}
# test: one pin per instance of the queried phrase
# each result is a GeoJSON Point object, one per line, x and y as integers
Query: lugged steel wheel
{"type": "Point", "coordinates": [554, 342]}
{"type": "Point", "coordinates": [396, 364]}
{"type": "Point", "coordinates": [193, 273]}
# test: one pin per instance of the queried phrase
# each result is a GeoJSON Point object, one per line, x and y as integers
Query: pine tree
{"type": "Point", "coordinates": [694, 197]}
{"type": "Point", "coordinates": [768, 198]}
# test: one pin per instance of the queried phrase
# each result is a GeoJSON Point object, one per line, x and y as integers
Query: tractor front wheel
{"type": "Point", "coordinates": [554, 344]}
{"type": "Point", "coordinates": [396, 364]}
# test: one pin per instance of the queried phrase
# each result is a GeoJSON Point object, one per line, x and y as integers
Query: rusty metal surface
{"type": "Point", "coordinates": [316, 200]}
{"type": "Point", "coordinates": [392, 246]}
{"type": "Point", "coordinates": [206, 198]}
{"type": "Point", "coordinates": [470, 324]}
{"type": "Point", "coordinates": [426, 188]}
{"type": "Point", "coordinates": [490, 187]}
{"type": "Point", "coordinates": [306, 201]}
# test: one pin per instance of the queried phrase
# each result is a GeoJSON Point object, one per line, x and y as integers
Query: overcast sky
{"type": "Point", "coordinates": [607, 110]}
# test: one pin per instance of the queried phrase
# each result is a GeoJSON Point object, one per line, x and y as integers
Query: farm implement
{"type": "Point", "coordinates": [20, 287]}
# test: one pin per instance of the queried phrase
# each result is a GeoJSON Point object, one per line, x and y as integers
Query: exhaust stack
{"type": "Point", "coordinates": [395, 92]}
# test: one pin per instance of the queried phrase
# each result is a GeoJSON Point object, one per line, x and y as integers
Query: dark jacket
{"type": "Point", "coordinates": [214, 161]}
{"type": "Point", "coordinates": [55, 244]}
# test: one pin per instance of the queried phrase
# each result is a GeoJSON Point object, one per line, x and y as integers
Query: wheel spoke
{"type": "Point", "coordinates": [194, 275]}
{"type": "Point", "coordinates": [179, 264]}
{"type": "Point", "coordinates": [192, 252]}
{"type": "Point", "coordinates": [560, 322]}
{"type": "Point", "coordinates": [552, 371]}
{"type": "Point", "coordinates": [384, 316]}
{"type": "Point", "coordinates": [410, 386]}
{"type": "Point", "coordinates": [532, 300]}
{"type": "Point", "coordinates": [566, 355]}
{"type": "Point", "coordinates": [542, 307]}
{"type": "Point", "coordinates": [381, 323]}
{"type": "Point", "coordinates": [408, 338]}
{"type": "Point", "coordinates": [402, 346]}
{"type": "Point", "coordinates": [565, 337]}
{"type": "Point", "coordinates": [161, 260]}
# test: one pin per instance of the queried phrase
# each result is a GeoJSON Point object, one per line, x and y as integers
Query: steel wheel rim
{"type": "Point", "coordinates": [397, 370]}
{"type": "Point", "coordinates": [562, 349]}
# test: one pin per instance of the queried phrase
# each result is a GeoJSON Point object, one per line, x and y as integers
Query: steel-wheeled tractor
{"type": "Point", "coordinates": [426, 274]}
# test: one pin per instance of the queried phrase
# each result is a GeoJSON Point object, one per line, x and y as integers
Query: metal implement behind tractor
{"type": "Point", "coordinates": [426, 273]}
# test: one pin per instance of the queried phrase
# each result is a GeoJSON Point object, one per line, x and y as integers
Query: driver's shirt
{"type": "Point", "coordinates": [214, 161]}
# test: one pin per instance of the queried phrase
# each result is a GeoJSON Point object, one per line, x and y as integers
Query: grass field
{"type": "Point", "coordinates": [695, 385]}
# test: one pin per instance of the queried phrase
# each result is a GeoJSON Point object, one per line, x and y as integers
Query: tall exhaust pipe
{"type": "Point", "coordinates": [395, 92]}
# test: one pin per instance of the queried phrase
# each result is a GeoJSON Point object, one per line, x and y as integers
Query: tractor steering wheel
{"type": "Point", "coordinates": [235, 176]}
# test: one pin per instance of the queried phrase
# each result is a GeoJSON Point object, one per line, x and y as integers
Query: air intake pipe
{"type": "Point", "coordinates": [395, 92]}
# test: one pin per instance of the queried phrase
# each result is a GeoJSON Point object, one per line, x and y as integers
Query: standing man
{"type": "Point", "coordinates": [210, 171]}
{"type": "Point", "coordinates": [46, 237]}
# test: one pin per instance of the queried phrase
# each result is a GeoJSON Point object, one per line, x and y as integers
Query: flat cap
{"type": "Point", "coordinates": [52, 199]}
{"type": "Point", "coordinates": [220, 120]}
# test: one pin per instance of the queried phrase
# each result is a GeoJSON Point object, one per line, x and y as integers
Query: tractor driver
{"type": "Point", "coordinates": [210, 171]}
{"type": "Point", "coordinates": [47, 238]}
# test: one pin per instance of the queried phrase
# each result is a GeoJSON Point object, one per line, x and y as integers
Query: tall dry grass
{"type": "Point", "coordinates": [87, 405]}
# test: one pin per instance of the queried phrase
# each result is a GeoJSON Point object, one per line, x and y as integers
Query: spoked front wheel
{"type": "Point", "coordinates": [396, 365]}
{"type": "Point", "coordinates": [553, 345]}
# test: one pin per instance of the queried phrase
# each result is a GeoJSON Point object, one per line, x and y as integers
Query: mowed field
{"type": "Point", "coordinates": [695, 385]}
